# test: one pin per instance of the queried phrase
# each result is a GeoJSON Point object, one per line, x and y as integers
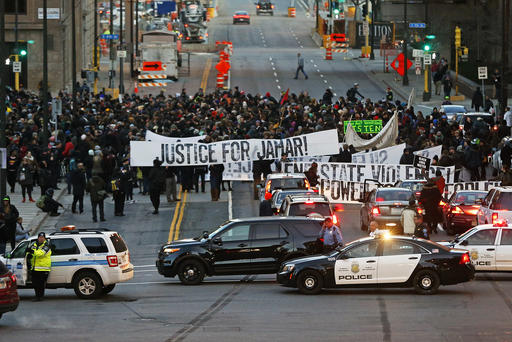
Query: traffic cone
{"type": "Point", "coordinates": [328, 53]}
{"type": "Point", "coordinates": [136, 87]}
{"type": "Point", "coordinates": [220, 80]}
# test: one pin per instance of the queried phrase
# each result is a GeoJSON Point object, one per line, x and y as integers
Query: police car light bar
{"type": "Point", "coordinates": [500, 223]}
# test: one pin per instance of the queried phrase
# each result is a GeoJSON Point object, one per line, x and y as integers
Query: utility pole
{"type": "Point", "coordinates": [405, 79]}
{"type": "Point", "coordinates": [130, 49]}
{"type": "Point", "coordinates": [111, 47]}
{"type": "Point", "coordinates": [121, 59]}
{"type": "Point", "coordinates": [95, 53]}
{"type": "Point", "coordinates": [16, 50]}
{"type": "Point", "coordinates": [372, 30]}
{"type": "Point", "coordinates": [3, 119]}
{"type": "Point", "coordinates": [137, 28]}
{"type": "Point", "coordinates": [73, 54]}
{"type": "Point", "coordinates": [504, 55]}
{"type": "Point", "coordinates": [46, 134]}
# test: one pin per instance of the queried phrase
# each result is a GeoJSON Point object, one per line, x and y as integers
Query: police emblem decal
{"type": "Point", "coordinates": [474, 254]}
{"type": "Point", "coordinates": [355, 268]}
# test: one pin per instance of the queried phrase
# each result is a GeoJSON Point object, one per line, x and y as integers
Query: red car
{"type": "Point", "coordinates": [459, 214]}
{"type": "Point", "coordinates": [8, 290]}
{"type": "Point", "coordinates": [241, 17]}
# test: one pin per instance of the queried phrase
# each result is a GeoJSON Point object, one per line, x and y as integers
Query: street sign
{"type": "Point", "coordinates": [417, 65]}
{"type": "Point", "coordinates": [222, 67]}
{"type": "Point", "coordinates": [417, 25]}
{"type": "Point", "coordinates": [152, 66]}
{"type": "Point", "coordinates": [421, 162]}
{"type": "Point", "coordinates": [482, 73]}
{"type": "Point", "coordinates": [417, 53]}
{"type": "Point", "coordinates": [366, 28]}
{"type": "Point", "coordinates": [109, 36]}
{"type": "Point", "coordinates": [16, 67]}
{"type": "Point", "coordinates": [56, 108]}
{"type": "Point", "coordinates": [398, 64]}
{"type": "Point", "coordinates": [51, 13]}
{"type": "Point", "coordinates": [121, 53]}
{"type": "Point", "coordinates": [427, 59]}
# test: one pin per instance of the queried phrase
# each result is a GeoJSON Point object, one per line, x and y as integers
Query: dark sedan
{"type": "Point", "coordinates": [460, 213]}
{"type": "Point", "coordinates": [383, 261]}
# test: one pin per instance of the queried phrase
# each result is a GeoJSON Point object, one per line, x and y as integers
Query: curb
{"type": "Point", "coordinates": [46, 215]}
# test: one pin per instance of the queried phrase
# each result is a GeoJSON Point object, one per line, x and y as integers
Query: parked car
{"type": "Point", "coordinates": [460, 212]}
{"type": "Point", "coordinates": [9, 298]}
{"type": "Point", "coordinates": [497, 204]}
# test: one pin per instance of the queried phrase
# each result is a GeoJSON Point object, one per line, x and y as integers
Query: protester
{"type": "Point", "coordinates": [78, 180]}
{"type": "Point", "coordinates": [157, 184]}
{"type": "Point", "coordinates": [26, 179]}
{"type": "Point", "coordinates": [21, 233]}
{"type": "Point", "coordinates": [8, 215]}
{"type": "Point", "coordinates": [429, 199]}
{"type": "Point", "coordinates": [97, 192]}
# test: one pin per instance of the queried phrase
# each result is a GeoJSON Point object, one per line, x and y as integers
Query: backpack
{"type": "Point", "coordinates": [40, 202]}
{"type": "Point", "coordinates": [114, 184]}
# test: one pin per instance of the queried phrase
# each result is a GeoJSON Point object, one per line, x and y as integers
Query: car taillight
{"type": "Point", "coordinates": [379, 199]}
{"type": "Point", "coordinates": [442, 203]}
{"type": "Point", "coordinates": [112, 261]}
{"type": "Point", "coordinates": [418, 194]}
{"type": "Point", "coordinates": [494, 217]}
{"type": "Point", "coordinates": [420, 211]}
{"type": "Point", "coordinates": [464, 259]}
{"type": "Point", "coordinates": [473, 211]}
{"type": "Point", "coordinates": [257, 6]}
{"type": "Point", "coordinates": [310, 202]}
{"type": "Point", "coordinates": [375, 211]}
{"type": "Point", "coordinates": [334, 219]}
{"type": "Point", "coordinates": [457, 210]}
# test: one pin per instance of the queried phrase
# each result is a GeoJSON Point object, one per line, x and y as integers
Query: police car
{"type": "Point", "coordinates": [489, 246]}
{"type": "Point", "coordinates": [383, 261]}
{"type": "Point", "coordinates": [91, 261]}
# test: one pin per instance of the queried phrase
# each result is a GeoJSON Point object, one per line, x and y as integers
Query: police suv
{"type": "Point", "coordinates": [383, 261]}
{"type": "Point", "coordinates": [489, 246]}
{"type": "Point", "coordinates": [91, 261]}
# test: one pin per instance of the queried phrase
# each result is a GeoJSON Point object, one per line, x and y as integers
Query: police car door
{"type": "Point", "coordinates": [357, 265]}
{"type": "Point", "coordinates": [504, 251]}
{"type": "Point", "coordinates": [17, 263]}
{"type": "Point", "coordinates": [482, 248]}
{"type": "Point", "coordinates": [65, 259]}
{"type": "Point", "coordinates": [398, 261]}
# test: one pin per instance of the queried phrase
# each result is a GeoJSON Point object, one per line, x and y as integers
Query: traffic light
{"type": "Point", "coordinates": [458, 36]}
{"type": "Point", "coordinates": [335, 7]}
{"type": "Point", "coordinates": [365, 10]}
{"type": "Point", "coordinates": [426, 47]}
{"type": "Point", "coordinates": [23, 52]}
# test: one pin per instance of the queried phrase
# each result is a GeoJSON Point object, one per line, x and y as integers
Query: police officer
{"type": "Point", "coordinates": [40, 264]}
{"type": "Point", "coordinates": [330, 236]}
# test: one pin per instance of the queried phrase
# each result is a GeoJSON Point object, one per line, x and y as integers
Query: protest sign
{"type": "Point", "coordinates": [151, 136]}
{"type": "Point", "coordinates": [385, 138]}
{"type": "Point", "coordinates": [142, 153]}
{"type": "Point", "coordinates": [392, 155]}
{"type": "Point", "coordinates": [364, 126]}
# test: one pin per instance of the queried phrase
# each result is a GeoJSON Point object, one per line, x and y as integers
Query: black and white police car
{"type": "Point", "coordinates": [489, 246]}
{"type": "Point", "coordinates": [383, 261]}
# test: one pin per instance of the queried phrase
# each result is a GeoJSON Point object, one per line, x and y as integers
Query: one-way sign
{"type": "Point", "coordinates": [421, 162]}
{"type": "Point", "coordinates": [152, 66]}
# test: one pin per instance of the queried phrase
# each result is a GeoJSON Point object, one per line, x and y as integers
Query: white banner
{"type": "Point", "coordinates": [385, 138]}
{"type": "Point", "coordinates": [241, 171]}
{"type": "Point", "coordinates": [151, 136]}
{"type": "Point", "coordinates": [383, 173]}
{"type": "Point", "coordinates": [392, 155]}
{"type": "Point", "coordinates": [142, 153]}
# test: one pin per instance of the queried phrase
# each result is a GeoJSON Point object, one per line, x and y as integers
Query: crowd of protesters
{"type": "Point", "coordinates": [88, 147]}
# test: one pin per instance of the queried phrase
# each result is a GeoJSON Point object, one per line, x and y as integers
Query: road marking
{"type": "Point", "coordinates": [206, 72]}
{"type": "Point", "coordinates": [302, 47]}
{"type": "Point", "coordinates": [180, 219]}
{"type": "Point", "coordinates": [230, 206]}
{"type": "Point", "coordinates": [312, 61]}
{"type": "Point", "coordinates": [278, 86]}
{"type": "Point", "coordinates": [330, 87]}
{"type": "Point", "coordinates": [174, 218]}
{"type": "Point", "coordinates": [270, 58]}
{"type": "Point", "coordinates": [275, 74]}
{"type": "Point", "coordinates": [321, 75]}
{"type": "Point", "coordinates": [325, 81]}
{"type": "Point", "coordinates": [335, 94]}
{"type": "Point", "coordinates": [273, 68]}
{"type": "Point", "coordinates": [277, 81]}
{"type": "Point", "coordinates": [316, 66]}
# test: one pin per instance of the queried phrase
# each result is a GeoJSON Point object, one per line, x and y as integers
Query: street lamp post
{"type": "Point", "coordinates": [46, 134]}
{"type": "Point", "coordinates": [372, 31]}
{"type": "Point", "coordinates": [405, 79]}
{"type": "Point", "coordinates": [73, 54]}
{"type": "Point", "coordinates": [121, 59]}
{"type": "Point", "coordinates": [3, 119]}
{"type": "Point", "coordinates": [95, 53]}
{"type": "Point", "coordinates": [111, 46]}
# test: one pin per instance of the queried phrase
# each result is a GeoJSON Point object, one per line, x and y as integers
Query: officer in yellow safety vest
{"type": "Point", "coordinates": [40, 264]}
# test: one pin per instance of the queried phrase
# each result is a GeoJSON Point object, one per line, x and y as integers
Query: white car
{"type": "Point", "coordinates": [496, 205]}
{"type": "Point", "coordinates": [489, 246]}
{"type": "Point", "coordinates": [91, 261]}
{"type": "Point", "coordinates": [283, 181]}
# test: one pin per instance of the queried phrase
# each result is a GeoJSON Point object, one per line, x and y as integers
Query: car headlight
{"type": "Point", "coordinates": [288, 268]}
{"type": "Point", "coordinates": [170, 250]}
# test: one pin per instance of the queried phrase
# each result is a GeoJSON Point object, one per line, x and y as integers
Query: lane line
{"type": "Point", "coordinates": [182, 210]}
{"type": "Point", "coordinates": [230, 206]}
{"type": "Point", "coordinates": [206, 73]}
{"type": "Point", "coordinates": [174, 218]}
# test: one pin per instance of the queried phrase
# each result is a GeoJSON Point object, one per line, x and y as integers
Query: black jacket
{"type": "Point", "coordinates": [78, 179]}
{"type": "Point", "coordinates": [156, 178]}
{"type": "Point", "coordinates": [266, 208]}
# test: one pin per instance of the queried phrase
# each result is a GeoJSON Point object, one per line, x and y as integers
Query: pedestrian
{"type": "Point", "coordinates": [45, 177]}
{"type": "Point", "coordinates": [9, 215]}
{"type": "Point", "coordinates": [440, 182]}
{"type": "Point", "coordinates": [407, 157]}
{"type": "Point", "coordinates": [429, 199]}
{"type": "Point", "coordinates": [438, 80]}
{"type": "Point", "coordinates": [508, 118]}
{"type": "Point", "coordinates": [26, 179]}
{"type": "Point", "coordinates": [117, 193]}
{"type": "Point", "coordinates": [420, 230]}
{"type": "Point", "coordinates": [373, 229]}
{"type": "Point", "coordinates": [496, 81]}
{"type": "Point", "coordinates": [156, 185]}
{"type": "Point", "coordinates": [97, 192]}
{"type": "Point", "coordinates": [266, 205]}
{"type": "Point", "coordinates": [170, 183]}
{"type": "Point", "coordinates": [477, 101]}
{"type": "Point", "coordinates": [447, 86]}
{"type": "Point", "coordinates": [13, 162]}
{"type": "Point", "coordinates": [389, 95]}
{"type": "Point", "coordinates": [199, 173]}
{"type": "Point", "coordinates": [473, 159]}
{"type": "Point", "coordinates": [352, 92]}
{"type": "Point", "coordinates": [79, 182]}
{"type": "Point", "coordinates": [21, 232]}
{"type": "Point", "coordinates": [488, 104]}
{"type": "Point", "coordinates": [312, 175]}
{"type": "Point", "coordinates": [330, 236]}
{"type": "Point", "coordinates": [407, 217]}
{"type": "Point", "coordinates": [300, 66]}
{"type": "Point", "coordinates": [216, 171]}
{"type": "Point", "coordinates": [50, 205]}
{"type": "Point", "coordinates": [39, 254]}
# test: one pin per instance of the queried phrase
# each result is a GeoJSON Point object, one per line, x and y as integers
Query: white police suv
{"type": "Point", "coordinates": [91, 261]}
{"type": "Point", "coordinates": [489, 246]}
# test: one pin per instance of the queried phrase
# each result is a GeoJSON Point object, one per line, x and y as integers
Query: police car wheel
{"type": "Point", "coordinates": [108, 288]}
{"type": "Point", "coordinates": [310, 282]}
{"type": "Point", "coordinates": [426, 282]}
{"type": "Point", "coordinates": [191, 272]}
{"type": "Point", "coordinates": [88, 285]}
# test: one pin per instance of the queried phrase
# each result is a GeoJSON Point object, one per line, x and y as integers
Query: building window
{"type": "Point", "coordinates": [10, 6]}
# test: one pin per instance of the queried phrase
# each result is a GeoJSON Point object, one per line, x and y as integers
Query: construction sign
{"type": "Point", "coordinates": [398, 64]}
{"type": "Point", "coordinates": [152, 66]}
{"type": "Point", "coordinates": [222, 67]}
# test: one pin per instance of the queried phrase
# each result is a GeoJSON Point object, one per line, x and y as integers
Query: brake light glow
{"type": "Point", "coordinates": [420, 211]}
{"type": "Point", "coordinates": [379, 199]}
{"type": "Point", "coordinates": [472, 211]}
{"type": "Point", "coordinates": [464, 259]}
{"type": "Point", "coordinates": [306, 182]}
{"type": "Point", "coordinates": [334, 219]}
{"type": "Point", "coordinates": [310, 202]}
{"type": "Point", "coordinates": [500, 223]}
{"type": "Point", "coordinates": [272, 6]}
{"type": "Point", "coordinates": [112, 261]}
{"type": "Point", "coordinates": [267, 187]}
{"type": "Point", "coordinates": [375, 211]}
{"type": "Point", "coordinates": [418, 194]}
{"type": "Point", "coordinates": [457, 210]}
{"type": "Point", "coordinates": [442, 203]}
{"type": "Point", "coordinates": [494, 217]}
